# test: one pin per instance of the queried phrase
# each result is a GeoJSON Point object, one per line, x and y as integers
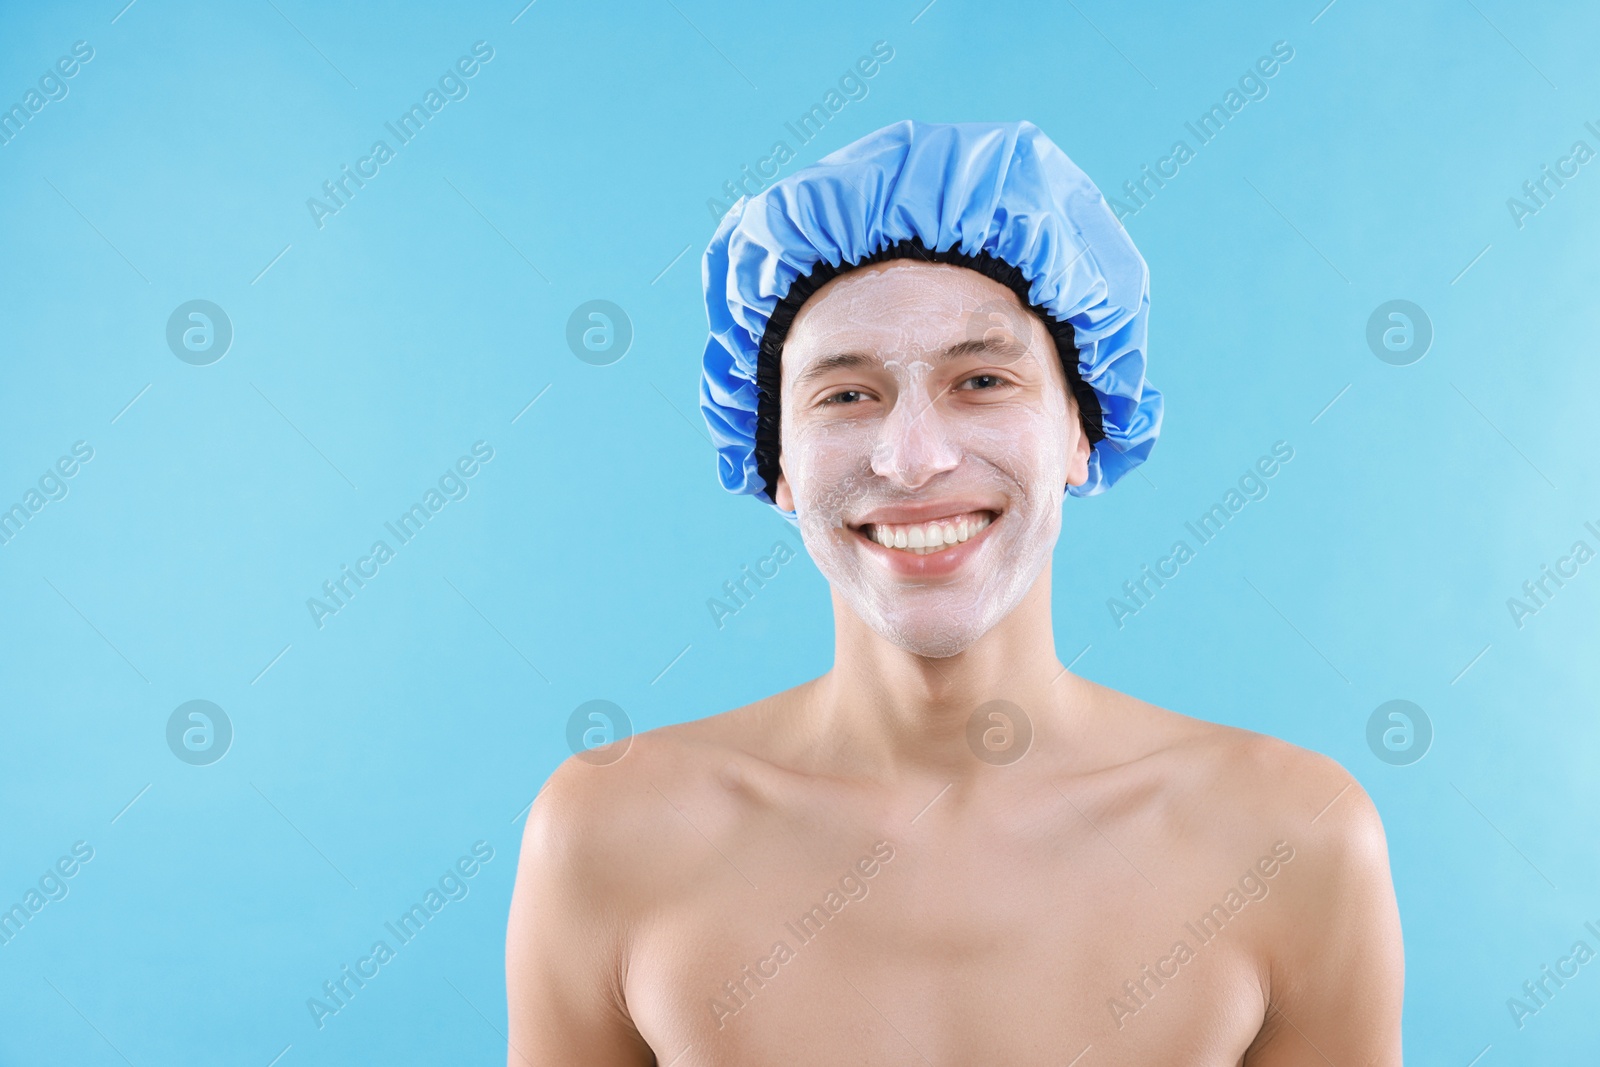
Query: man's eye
{"type": "Point", "coordinates": [990, 377]}
{"type": "Point", "coordinates": [834, 399]}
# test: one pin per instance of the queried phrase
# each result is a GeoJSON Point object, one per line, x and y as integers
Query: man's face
{"type": "Point", "coordinates": [920, 391]}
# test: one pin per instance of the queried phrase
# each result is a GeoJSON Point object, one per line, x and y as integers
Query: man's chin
{"type": "Point", "coordinates": [936, 632]}
{"type": "Point", "coordinates": [939, 647]}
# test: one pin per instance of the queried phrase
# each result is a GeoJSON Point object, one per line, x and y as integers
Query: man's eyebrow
{"type": "Point", "coordinates": [972, 346]}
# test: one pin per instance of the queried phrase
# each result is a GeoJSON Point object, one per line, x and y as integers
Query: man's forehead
{"type": "Point", "coordinates": [940, 310]}
{"type": "Point", "coordinates": [900, 288]}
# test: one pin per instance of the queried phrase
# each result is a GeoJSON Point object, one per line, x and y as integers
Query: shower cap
{"type": "Point", "coordinates": [998, 197]}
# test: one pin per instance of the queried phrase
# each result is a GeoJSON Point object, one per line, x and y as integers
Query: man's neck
{"type": "Point", "coordinates": [891, 714]}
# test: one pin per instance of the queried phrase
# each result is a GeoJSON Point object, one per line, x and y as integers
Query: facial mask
{"type": "Point", "coordinates": [919, 429]}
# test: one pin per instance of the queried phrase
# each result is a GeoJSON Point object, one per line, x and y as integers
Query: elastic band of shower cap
{"type": "Point", "coordinates": [998, 197]}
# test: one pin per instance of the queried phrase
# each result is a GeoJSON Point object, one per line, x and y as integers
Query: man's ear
{"type": "Point", "coordinates": [1078, 451]}
{"type": "Point", "coordinates": [785, 499]}
{"type": "Point", "coordinates": [1078, 460]}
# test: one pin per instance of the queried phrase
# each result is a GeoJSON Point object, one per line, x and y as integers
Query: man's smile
{"type": "Point", "coordinates": [934, 535]}
{"type": "Point", "coordinates": [932, 547]}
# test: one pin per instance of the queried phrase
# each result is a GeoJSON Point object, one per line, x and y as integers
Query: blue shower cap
{"type": "Point", "coordinates": [997, 196]}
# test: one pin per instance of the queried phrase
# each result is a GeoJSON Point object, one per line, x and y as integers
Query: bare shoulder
{"type": "Point", "coordinates": [614, 823]}
{"type": "Point", "coordinates": [1294, 786]}
{"type": "Point", "coordinates": [1328, 948]}
{"type": "Point", "coordinates": [1247, 777]}
{"type": "Point", "coordinates": [606, 841]}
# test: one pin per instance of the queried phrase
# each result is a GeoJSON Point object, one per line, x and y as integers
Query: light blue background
{"type": "Point", "coordinates": [432, 309]}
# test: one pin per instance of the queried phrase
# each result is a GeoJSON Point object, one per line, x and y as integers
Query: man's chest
{"type": "Point", "coordinates": [890, 952]}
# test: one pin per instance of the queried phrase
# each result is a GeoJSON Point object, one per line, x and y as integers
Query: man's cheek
{"type": "Point", "coordinates": [1029, 446]}
{"type": "Point", "coordinates": [823, 464]}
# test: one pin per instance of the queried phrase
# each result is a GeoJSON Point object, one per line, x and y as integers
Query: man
{"type": "Point", "coordinates": [948, 849]}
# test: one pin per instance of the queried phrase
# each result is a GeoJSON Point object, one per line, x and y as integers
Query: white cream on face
{"type": "Point", "coordinates": [907, 427]}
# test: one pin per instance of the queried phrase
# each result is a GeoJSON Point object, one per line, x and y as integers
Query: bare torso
{"type": "Point", "coordinates": [1139, 888]}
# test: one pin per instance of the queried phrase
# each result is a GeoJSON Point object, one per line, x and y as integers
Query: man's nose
{"type": "Point", "coordinates": [916, 441]}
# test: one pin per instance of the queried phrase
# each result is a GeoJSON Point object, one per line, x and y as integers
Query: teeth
{"type": "Point", "coordinates": [928, 537]}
